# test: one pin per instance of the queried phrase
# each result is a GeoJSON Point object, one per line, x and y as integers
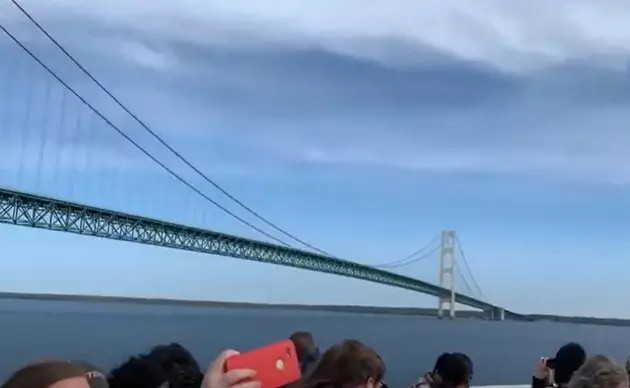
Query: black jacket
{"type": "Point", "coordinates": [542, 383]}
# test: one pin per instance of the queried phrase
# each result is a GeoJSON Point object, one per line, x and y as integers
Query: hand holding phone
{"type": "Point", "coordinates": [550, 363]}
{"type": "Point", "coordinates": [541, 371]}
{"type": "Point", "coordinates": [275, 365]}
{"type": "Point", "coordinates": [216, 377]}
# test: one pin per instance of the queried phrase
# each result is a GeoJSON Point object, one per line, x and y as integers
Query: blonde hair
{"type": "Point", "coordinates": [599, 372]}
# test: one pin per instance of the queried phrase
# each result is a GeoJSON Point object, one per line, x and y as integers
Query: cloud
{"type": "Point", "coordinates": [448, 87]}
{"type": "Point", "coordinates": [147, 57]}
{"type": "Point", "coordinates": [508, 35]}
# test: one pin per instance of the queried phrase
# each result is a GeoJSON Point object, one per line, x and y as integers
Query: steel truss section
{"type": "Point", "coordinates": [45, 213]}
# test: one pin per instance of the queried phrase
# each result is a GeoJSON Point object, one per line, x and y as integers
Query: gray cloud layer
{"type": "Point", "coordinates": [430, 87]}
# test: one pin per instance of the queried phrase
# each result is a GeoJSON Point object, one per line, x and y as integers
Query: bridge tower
{"type": "Point", "coordinates": [447, 273]}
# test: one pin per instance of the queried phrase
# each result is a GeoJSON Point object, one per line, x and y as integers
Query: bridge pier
{"type": "Point", "coordinates": [447, 274]}
{"type": "Point", "coordinates": [496, 314]}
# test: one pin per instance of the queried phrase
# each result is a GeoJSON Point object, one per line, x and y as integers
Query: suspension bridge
{"type": "Point", "coordinates": [75, 159]}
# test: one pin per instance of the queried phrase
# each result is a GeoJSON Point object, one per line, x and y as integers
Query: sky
{"type": "Point", "coordinates": [364, 129]}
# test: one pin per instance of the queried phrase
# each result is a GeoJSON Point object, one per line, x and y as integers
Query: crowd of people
{"type": "Point", "coordinates": [349, 364]}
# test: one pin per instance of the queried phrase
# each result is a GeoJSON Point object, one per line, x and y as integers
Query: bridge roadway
{"type": "Point", "coordinates": [17, 208]}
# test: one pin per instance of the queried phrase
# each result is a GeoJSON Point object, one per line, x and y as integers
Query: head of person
{"type": "Point", "coordinates": [599, 372]}
{"type": "Point", "coordinates": [139, 372]}
{"type": "Point", "coordinates": [94, 376]}
{"type": "Point", "coordinates": [569, 358]}
{"type": "Point", "coordinates": [450, 371]}
{"type": "Point", "coordinates": [468, 363]}
{"type": "Point", "coordinates": [307, 350]}
{"type": "Point", "coordinates": [349, 364]}
{"type": "Point", "coordinates": [179, 365]}
{"type": "Point", "coordinates": [49, 374]}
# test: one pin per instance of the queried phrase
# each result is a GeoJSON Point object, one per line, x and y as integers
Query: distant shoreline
{"type": "Point", "coordinates": [418, 311]}
{"type": "Point", "coordinates": [220, 304]}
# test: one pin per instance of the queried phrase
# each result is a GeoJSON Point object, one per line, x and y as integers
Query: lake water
{"type": "Point", "coordinates": [105, 334]}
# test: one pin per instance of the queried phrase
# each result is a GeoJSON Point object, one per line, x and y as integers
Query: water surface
{"type": "Point", "coordinates": [107, 333]}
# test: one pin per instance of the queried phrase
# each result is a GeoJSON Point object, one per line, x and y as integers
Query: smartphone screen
{"type": "Point", "coordinates": [275, 365]}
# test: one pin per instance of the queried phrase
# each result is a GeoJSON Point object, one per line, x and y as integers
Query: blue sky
{"type": "Point", "coordinates": [363, 129]}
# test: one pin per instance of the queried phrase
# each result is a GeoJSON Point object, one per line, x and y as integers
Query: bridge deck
{"type": "Point", "coordinates": [46, 213]}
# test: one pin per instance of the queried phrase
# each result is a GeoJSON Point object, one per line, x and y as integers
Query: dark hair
{"type": "Point", "coordinates": [178, 364]}
{"type": "Point", "coordinates": [569, 358]}
{"type": "Point", "coordinates": [347, 364]}
{"type": "Point", "coordinates": [452, 370]}
{"type": "Point", "coordinates": [138, 372]}
{"type": "Point", "coordinates": [467, 362]}
{"type": "Point", "coordinates": [307, 351]}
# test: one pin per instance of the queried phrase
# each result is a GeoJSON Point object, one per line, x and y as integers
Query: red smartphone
{"type": "Point", "coordinates": [275, 365]}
